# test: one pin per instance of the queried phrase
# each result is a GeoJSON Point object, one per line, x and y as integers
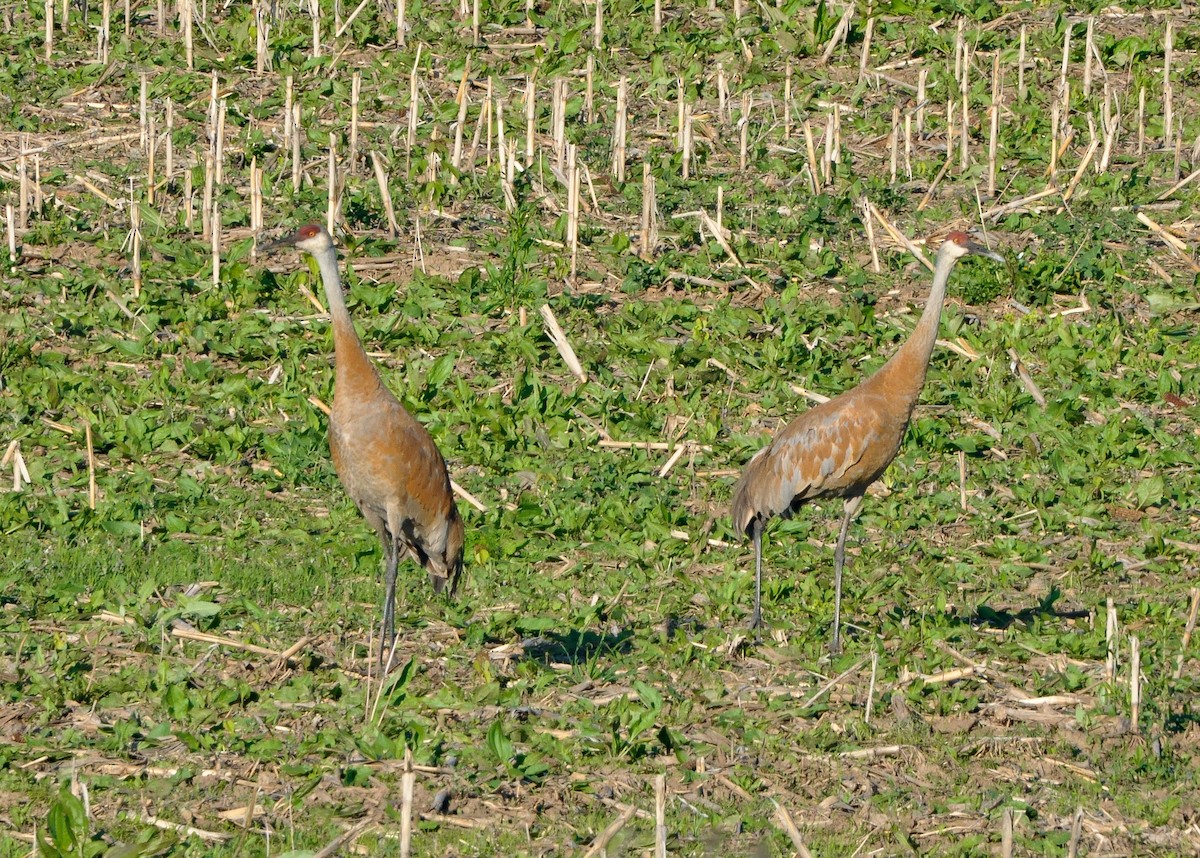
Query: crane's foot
{"type": "Point", "coordinates": [756, 625]}
{"type": "Point", "coordinates": [386, 643]}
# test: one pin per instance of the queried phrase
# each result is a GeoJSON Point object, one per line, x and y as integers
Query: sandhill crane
{"type": "Point", "coordinates": [840, 447]}
{"type": "Point", "coordinates": [386, 460]}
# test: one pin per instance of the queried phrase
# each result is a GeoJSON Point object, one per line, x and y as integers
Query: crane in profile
{"type": "Point", "coordinates": [386, 460]}
{"type": "Point", "coordinates": [840, 447]}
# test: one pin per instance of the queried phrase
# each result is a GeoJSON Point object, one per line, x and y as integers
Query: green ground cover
{"type": "Point", "coordinates": [194, 648]}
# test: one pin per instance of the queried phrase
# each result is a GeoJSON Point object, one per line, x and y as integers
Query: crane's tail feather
{"type": "Point", "coordinates": [742, 510]}
{"type": "Point", "coordinates": [455, 575]}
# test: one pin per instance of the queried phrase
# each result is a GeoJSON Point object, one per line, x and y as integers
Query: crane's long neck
{"type": "Point", "coordinates": [904, 374]}
{"type": "Point", "coordinates": [352, 366]}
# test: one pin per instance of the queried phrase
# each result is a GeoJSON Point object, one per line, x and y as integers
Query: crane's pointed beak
{"type": "Point", "coordinates": [272, 246]}
{"type": "Point", "coordinates": [981, 250]}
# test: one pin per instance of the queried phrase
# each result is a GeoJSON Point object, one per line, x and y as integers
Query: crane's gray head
{"type": "Point", "coordinates": [958, 244]}
{"type": "Point", "coordinates": [311, 238]}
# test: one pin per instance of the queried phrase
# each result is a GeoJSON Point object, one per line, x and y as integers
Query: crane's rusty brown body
{"type": "Point", "coordinates": [385, 459]}
{"type": "Point", "coordinates": [840, 447]}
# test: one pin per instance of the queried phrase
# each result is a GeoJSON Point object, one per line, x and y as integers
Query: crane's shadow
{"type": "Point", "coordinates": [1002, 618]}
{"type": "Point", "coordinates": [576, 646]}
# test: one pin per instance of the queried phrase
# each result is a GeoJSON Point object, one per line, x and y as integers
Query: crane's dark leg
{"type": "Point", "coordinates": [756, 529]}
{"type": "Point", "coordinates": [388, 631]}
{"type": "Point", "coordinates": [839, 559]}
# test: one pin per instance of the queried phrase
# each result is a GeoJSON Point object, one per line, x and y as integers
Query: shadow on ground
{"type": "Point", "coordinates": [575, 647]}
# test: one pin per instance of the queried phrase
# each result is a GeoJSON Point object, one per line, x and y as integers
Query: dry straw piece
{"type": "Point", "coordinates": [562, 343]}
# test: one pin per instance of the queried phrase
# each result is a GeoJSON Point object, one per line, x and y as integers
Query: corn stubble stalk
{"type": "Point", "coordinates": [1167, 89]}
{"type": "Point", "coordinates": [1110, 640]}
{"type": "Point", "coordinates": [297, 166]}
{"type": "Point", "coordinates": [810, 149]}
{"type": "Point", "coordinates": [151, 160]}
{"type": "Point", "coordinates": [10, 228]}
{"type": "Point", "coordinates": [103, 35]}
{"type": "Point", "coordinates": [922, 81]}
{"type": "Point", "coordinates": [483, 129]}
{"type": "Point", "coordinates": [1110, 123]}
{"type": "Point", "coordinates": [510, 200]}
{"type": "Point", "coordinates": [135, 242]}
{"type": "Point", "coordinates": [964, 140]}
{"type": "Point", "coordinates": [219, 142]}
{"type": "Point", "coordinates": [91, 460]}
{"type": "Point", "coordinates": [722, 95]}
{"type": "Point", "coordinates": [648, 235]}
{"type": "Point", "coordinates": [288, 97]}
{"type": "Point", "coordinates": [558, 119]}
{"type": "Point", "coordinates": [871, 685]}
{"type": "Point", "coordinates": [787, 100]}
{"type": "Point", "coordinates": [589, 94]}
{"type": "Point", "coordinates": [950, 128]}
{"type": "Point", "coordinates": [1066, 63]}
{"type": "Point", "coordinates": [573, 208]}
{"type": "Point", "coordinates": [1141, 121]}
{"type": "Point", "coordinates": [207, 200]}
{"type": "Point", "coordinates": [864, 58]}
{"type": "Point", "coordinates": [868, 223]}
{"type": "Point", "coordinates": [216, 244]}
{"type": "Point", "coordinates": [256, 206]}
{"type": "Point", "coordinates": [49, 32]}
{"type": "Point", "coordinates": [355, 93]}
{"type": "Point", "coordinates": [744, 130]}
{"type": "Point", "coordinates": [213, 117]}
{"type": "Point", "coordinates": [22, 184]}
{"type": "Point", "coordinates": [1021, 66]}
{"type": "Point", "coordinates": [186, 13]}
{"type": "Point", "coordinates": [1076, 833]}
{"type": "Point", "coordinates": [413, 106]}
{"type": "Point", "coordinates": [894, 143]}
{"type": "Point", "coordinates": [958, 50]}
{"type": "Point", "coordinates": [1189, 628]}
{"type": "Point", "coordinates": [385, 194]}
{"type": "Point", "coordinates": [1177, 170]}
{"type": "Point", "coordinates": [839, 34]}
{"type": "Point", "coordinates": [39, 199]}
{"type": "Point", "coordinates": [460, 123]}
{"type": "Point", "coordinates": [408, 781]}
{"type": "Point", "coordinates": [994, 125]}
{"type": "Point", "coordinates": [620, 130]}
{"type": "Point", "coordinates": [1089, 47]}
{"type": "Point", "coordinates": [189, 195]}
{"type": "Point", "coordinates": [1135, 684]}
{"type": "Point", "coordinates": [314, 12]}
{"type": "Point", "coordinates": [12, 456]}
{"type": "Point", "coordinates": [262, 26]}
{"type": "Point", "coordinates": [687, 141]}
{"type": "Point", "coordinates": [660, 816]}
{"type": "Point", "coordinates": [331, 187]}
{"type": "Point", "coordinates": [530, 119]}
